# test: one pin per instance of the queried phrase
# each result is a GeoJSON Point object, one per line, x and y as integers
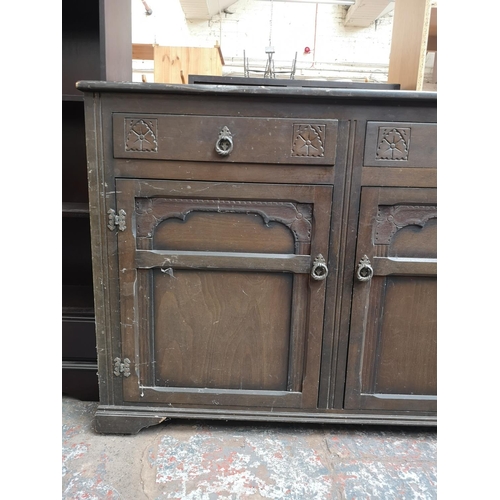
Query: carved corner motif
{"type": "Point", "coordinates": [390, 219]}
{"type": "Point", "coordinates": [308, 140]}
{"type": "Point", "coordinates": [393, 143]}
{"type": "Point", "coordinates": [141, 135]}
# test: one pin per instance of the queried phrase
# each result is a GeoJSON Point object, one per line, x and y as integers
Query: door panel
{"type": "Point", "coordinates": [217, 303]}
{"type": "Point", "coordinates": [392, 363]}
{"type": "Point", "coordinates": [220, 329]}
{"type": "Point", "coordinates": [402, 356]}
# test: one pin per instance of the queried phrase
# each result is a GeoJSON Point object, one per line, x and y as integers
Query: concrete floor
{"type": "Point", "coordinates": [207, 460]}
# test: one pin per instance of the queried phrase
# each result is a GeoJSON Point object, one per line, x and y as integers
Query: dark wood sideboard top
{"type": "Point", "coordinates": [299, 92]}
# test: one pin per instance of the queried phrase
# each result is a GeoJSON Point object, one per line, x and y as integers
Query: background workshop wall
{"type": "Point", "coordinates": [337, 52]}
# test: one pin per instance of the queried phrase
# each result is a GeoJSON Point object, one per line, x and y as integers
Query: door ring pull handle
{"type": "Point", "coordinates": [224, 144]}
{"type": "Point", "coordinates": [319, 270]}
{"type": "Point", "coordinates": [365, 269]}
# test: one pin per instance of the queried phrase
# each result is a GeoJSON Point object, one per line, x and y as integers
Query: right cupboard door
{"type": "Point", "coordinates": [392, 346]}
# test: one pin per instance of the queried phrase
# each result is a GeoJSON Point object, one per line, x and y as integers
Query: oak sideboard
{"type": "Point", "coordinates": [262, 253]}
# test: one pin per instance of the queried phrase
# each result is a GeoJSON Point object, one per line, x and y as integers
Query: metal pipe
{"type": "Point", "coordinates": [146, 6]}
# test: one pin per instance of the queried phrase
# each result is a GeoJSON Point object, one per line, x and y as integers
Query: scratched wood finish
{"type": "Point", "coordinates": [393, 356]}
{"type": "Point", "coordinates": [197, 224]}
{"type": "Point", "coordinates": [238, 338]}
{"type": "Point", "coordinates": [193, 138]}
{"type": "Point", "coordinates": [208, 326]}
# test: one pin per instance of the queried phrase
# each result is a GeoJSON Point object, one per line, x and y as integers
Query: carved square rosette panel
{"type": "Point", "coordinates": [308, 140]}
{"type": "Point", "coordinates": [393, 143]}
{"type": "Point", "coordinates": [141, 135]}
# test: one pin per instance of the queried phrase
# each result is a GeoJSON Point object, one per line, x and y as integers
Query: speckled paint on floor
{"type": "Point", "coordinates": [206, 460]}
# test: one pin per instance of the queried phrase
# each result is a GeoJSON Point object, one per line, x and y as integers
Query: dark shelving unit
{"type": "Point", "coordinates": [96, 45]}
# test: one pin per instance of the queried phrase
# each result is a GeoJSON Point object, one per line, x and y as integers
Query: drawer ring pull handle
{"type": "Point", "coordinates": [224, 144]}
{"type": "Point", "coordinates": [365, 270]}
{"type": "Point", "coordinates": [319, 270]}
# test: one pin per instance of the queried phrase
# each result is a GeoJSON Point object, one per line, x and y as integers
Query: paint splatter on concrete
{"type": "Point", "coordinates": [385, 480]}
{"type": "Point", "coordinates": [83, 476]}
{"type": "Point", "coordinates": [72, 452]}
{"type": "Point", "coordinates": [253, 464]}
{"type": "Point", "coordinates": [204, 460]}
{"type": "Point", "coordinates": [90, 483]}
{"type": "Point", "coordinates": [381, 443]}
{"type": "Point", "coordinates": [392, 465]}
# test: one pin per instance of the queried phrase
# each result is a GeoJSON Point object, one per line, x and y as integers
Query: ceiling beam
{"type": "Point", "coordinates": [331, 2]}
{"type": "Point", "coordinates": [204, 9]}
{"type": "Point", "coordinates": [365, 12]}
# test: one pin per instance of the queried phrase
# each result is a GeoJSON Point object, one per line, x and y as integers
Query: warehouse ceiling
{"type": "Point", "coordinates": [360, 13]}
{"type": "Point", "coordinates": [364, 12]}
{"type": "Point", "coordinates": [204, 9]}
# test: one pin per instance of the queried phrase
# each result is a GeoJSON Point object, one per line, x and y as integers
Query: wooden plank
{"type": "Point", "coordinates": [219, 50]}
{"type": "Point", "coordinates": [143, 51]}
{"type": "Point", "coordinates": [147, 259]}
{"type": "Point", "coordinates": [175, 64]}
{"type": "Point", "coordinates": [432, 38]}
{"type": "Point", "coordinates": [409, 43]}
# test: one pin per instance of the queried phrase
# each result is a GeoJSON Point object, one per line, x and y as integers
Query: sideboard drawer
{"type": "Point", "coordinates": [401, 144]}
{"type": "Point", "coordinates": [225, 138]}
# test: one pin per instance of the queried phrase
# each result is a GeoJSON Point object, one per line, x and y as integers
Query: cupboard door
{"type": "Point", "coordinates": [392, 348]}
{"type": "Point", "coordinates": [218, 306]}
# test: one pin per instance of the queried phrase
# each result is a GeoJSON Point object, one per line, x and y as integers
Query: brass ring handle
{"type": "Point", "coordinates": [365, 270]}
{"type": "Point", "coordinates": [224, 144]}
{"type": "Point", "coordinates": [319, 270]}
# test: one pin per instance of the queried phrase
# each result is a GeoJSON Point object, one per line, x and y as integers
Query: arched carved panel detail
{"type": "Point", "coordinates": [296, 216]}
{"type": "Point", "coordinates": [391, 218]}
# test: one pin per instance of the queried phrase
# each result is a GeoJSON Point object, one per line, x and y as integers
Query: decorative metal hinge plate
{"type": "Point", "coordinates": [116, 220]}
{"type": "Point", "coordinates": [122, 368]}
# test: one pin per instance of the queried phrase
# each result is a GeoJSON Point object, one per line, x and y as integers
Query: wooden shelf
{"type": "Point", "coordinates": [77, 300]}
{"type": "Point", "coordinates": [72, 98]}
{"type": "Point", "coordinates": [70, 209]}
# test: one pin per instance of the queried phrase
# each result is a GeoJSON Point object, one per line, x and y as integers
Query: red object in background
{"type": "Point", "coordinates": [307, 50]}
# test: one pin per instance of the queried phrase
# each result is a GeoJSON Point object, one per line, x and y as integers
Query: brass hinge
{"type": "Point", "coordinates": [122, 368]}
{"type": "Point", "coordinates": [116, 220]}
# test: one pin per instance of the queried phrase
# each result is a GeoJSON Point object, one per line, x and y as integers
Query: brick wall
{"type": "Point", "coordinates": [337, 52]}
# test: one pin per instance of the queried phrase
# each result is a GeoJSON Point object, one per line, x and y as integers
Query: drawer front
{"type": "Point", "coordinates": [401, 144]}
{"type": "Point", "coordinates": [224, 138]}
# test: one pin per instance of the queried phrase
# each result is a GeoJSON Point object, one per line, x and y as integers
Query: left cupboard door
{"type": "Point", "coordinates": [222, 292]}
